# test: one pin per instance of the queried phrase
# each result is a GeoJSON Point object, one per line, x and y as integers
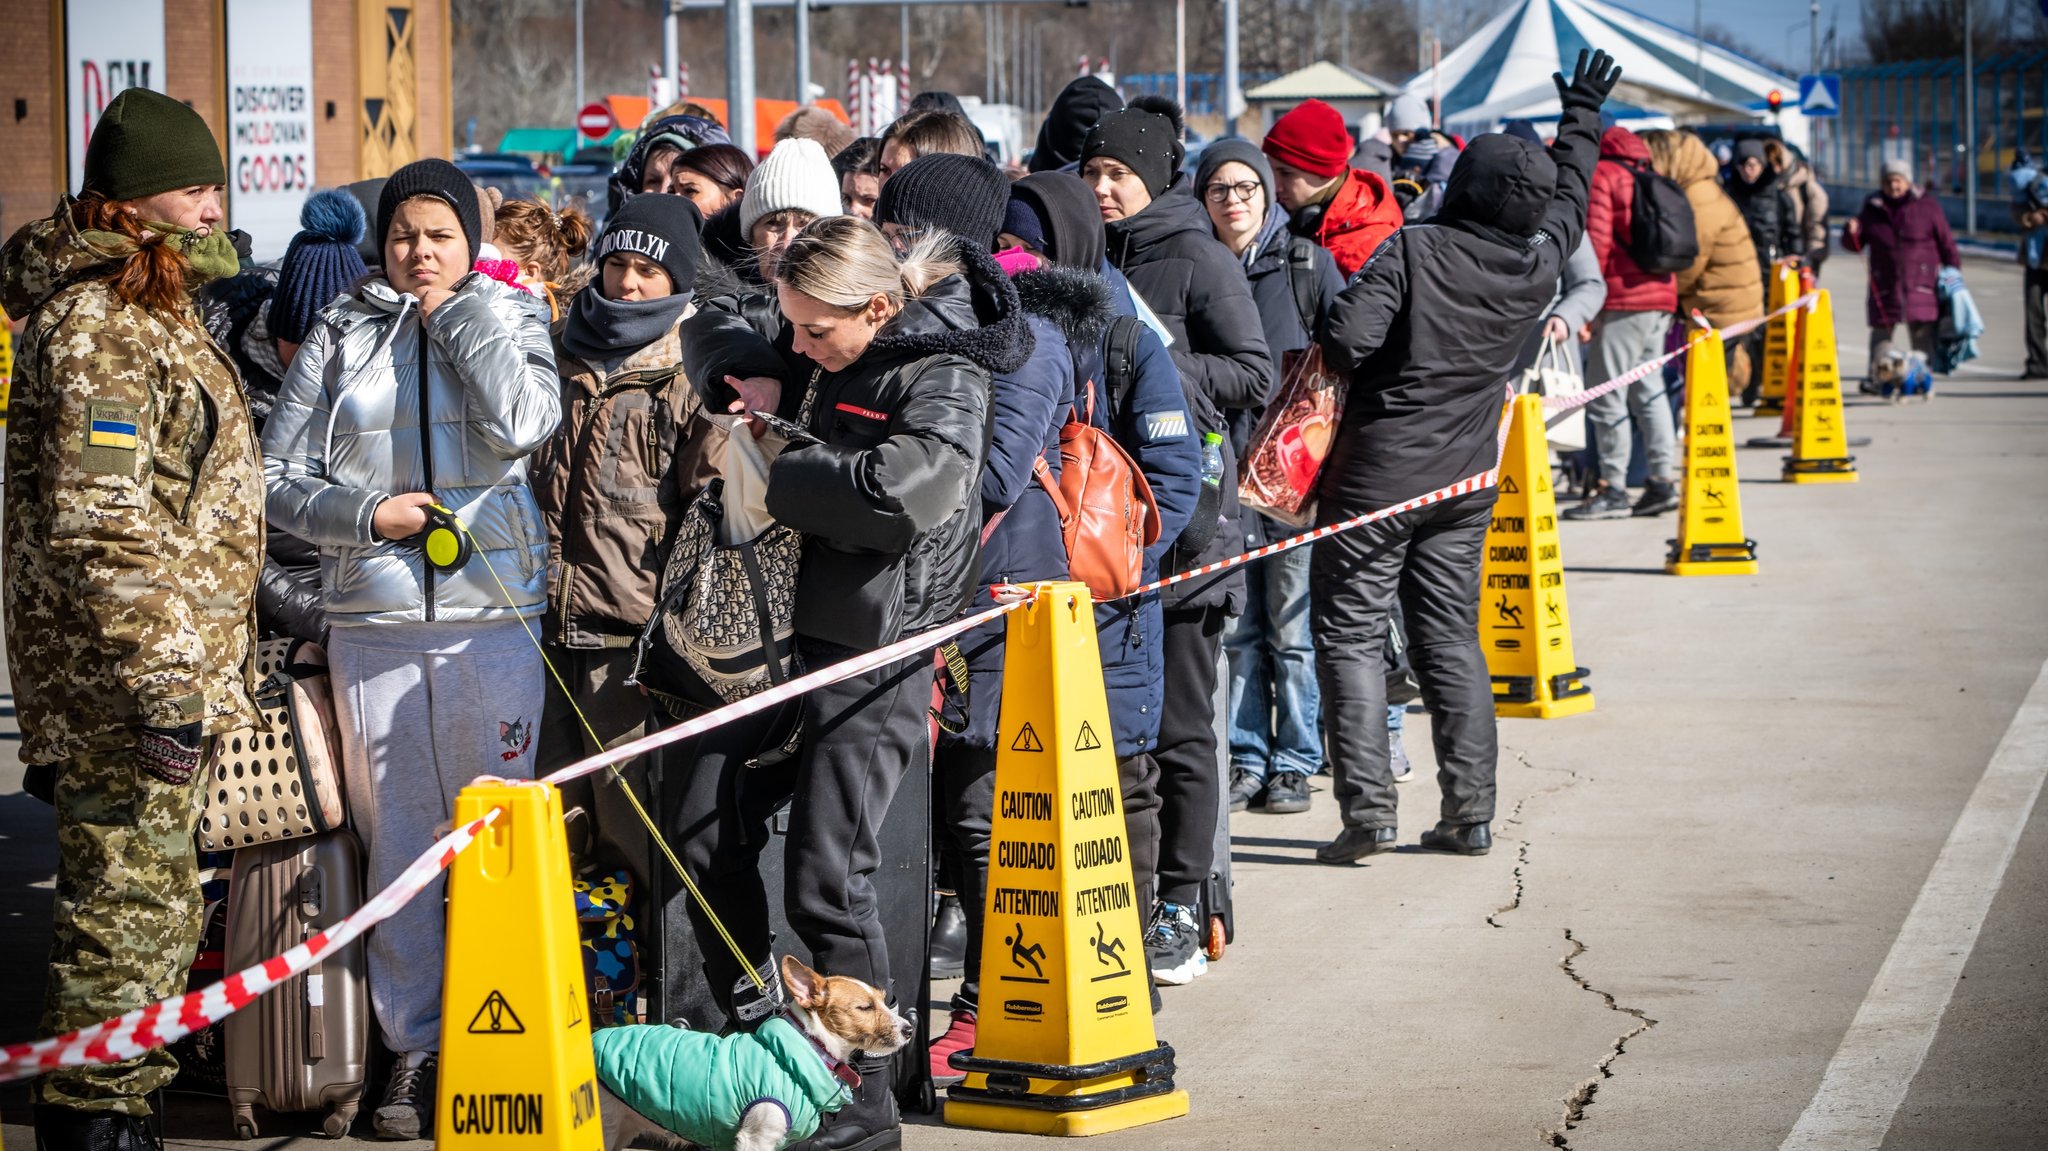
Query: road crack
{"type": "Point", "coordinates": [1514, 820]}
{"type": "Point", "coordinates": [1575, 1104]}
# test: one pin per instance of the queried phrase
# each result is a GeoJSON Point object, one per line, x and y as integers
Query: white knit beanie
{"type": "Point", "coordinates": [797, 174]}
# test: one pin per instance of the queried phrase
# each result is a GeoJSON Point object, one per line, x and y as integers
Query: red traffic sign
{"type": "Point", "coordinates": [594, 121]}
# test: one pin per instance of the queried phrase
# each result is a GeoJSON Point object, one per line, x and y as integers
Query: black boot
{"type": "Point", "coordinates": [949, 938]}
{"type": "Point", "coordinates": [66, 1129]}
{"type": "Point", "coordinates": [870, 1122]}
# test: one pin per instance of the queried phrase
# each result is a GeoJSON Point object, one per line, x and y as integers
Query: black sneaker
{"type": "Point", "coordinates": [1606, 504]}
{"type": "Point", "coordinates": [408, 1108]}
{"type": "Point", "coordinates": [1246, 790]}
{"type": "Point", "coordinates": [1659, 496]}
{"type": "Point", "coordinates": [1287, 793]}
{"type": "Point", "coordinates": [1173, 945]}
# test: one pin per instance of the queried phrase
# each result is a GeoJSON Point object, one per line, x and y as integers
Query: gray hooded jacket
{"type": "Point", "coordinates": [345, 435]}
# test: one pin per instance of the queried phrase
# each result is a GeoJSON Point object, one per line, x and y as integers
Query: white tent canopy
{"type": "Point", "coordinates": [1503, 72]}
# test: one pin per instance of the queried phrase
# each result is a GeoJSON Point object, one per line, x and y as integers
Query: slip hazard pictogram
{"type": "Point", "coordinates": [496, 1017]}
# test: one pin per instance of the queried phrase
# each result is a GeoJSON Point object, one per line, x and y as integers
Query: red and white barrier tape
{"type": "Point", "coordinates": [160, 1023]}
{"type": "Point", "coordinates": [843, 670]}
{"type": "Point", "coordinates": [1640, 371]}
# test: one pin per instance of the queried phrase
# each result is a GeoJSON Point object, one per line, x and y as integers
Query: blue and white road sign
{"type": "Point", "coordinates": [1821, 95]}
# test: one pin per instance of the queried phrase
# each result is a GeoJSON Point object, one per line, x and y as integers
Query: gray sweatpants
{"type": "Point", "coordinates": [423, 709]}
{"type": "Point", "coordinates": [1621, 340]}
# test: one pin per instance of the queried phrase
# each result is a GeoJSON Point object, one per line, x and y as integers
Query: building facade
{"type": "Point", "coordinates": [301, 94]}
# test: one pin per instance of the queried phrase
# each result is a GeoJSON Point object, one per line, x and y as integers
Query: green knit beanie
{"type": "Point", "coordinates": [146, 143]}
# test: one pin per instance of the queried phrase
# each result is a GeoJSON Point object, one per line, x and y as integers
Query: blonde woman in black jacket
{"type": "Point", "coordinates": [888, 364]}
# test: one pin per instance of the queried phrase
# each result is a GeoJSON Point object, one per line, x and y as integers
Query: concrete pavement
{"type": "Point", "coordinates": [1692, 887]}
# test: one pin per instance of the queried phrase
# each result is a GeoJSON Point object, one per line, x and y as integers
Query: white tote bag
{"type": "Point", "coordinates": [1555, 374]}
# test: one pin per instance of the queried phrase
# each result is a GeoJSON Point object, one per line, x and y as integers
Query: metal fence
{"type": "Point", "coordinates": [1205, 89]}
{"type": "Point", "coordinates": [1914, 111]}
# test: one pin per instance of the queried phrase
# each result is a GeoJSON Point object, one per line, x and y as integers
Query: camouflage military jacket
{"type": "Point", "coordinates": [134, 509]}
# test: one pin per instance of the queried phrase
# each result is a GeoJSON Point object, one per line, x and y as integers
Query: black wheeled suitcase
{"type": "Point", "coordinates": [903, 886]}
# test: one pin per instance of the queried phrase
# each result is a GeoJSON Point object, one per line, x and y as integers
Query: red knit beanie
{"type": "Point", "coordinates": [1312, 138]}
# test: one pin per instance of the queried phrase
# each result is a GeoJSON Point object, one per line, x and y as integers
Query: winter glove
{"type": "Point", "coordinates": [171, 754]}
{"type": "Point", "coordinates": [1592, 79]}
{"type": "Point", "coordinates": [753, 1004]}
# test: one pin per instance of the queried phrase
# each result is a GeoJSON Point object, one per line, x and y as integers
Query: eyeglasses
{"type": "Point", "coordinates": [1222, 193]}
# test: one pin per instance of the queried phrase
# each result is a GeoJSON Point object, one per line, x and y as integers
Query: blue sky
{"type": "Point", "coordinates": [1775, 28]}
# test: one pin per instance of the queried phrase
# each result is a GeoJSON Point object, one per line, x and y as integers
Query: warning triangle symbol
{"type": "Point", "coordinates": [495, 1017]}
{"type": "Point", "coordinates": [1027, 740]}
{"type": "Point", "coordinates": [1508, 486]}
{"type": "Point", "coordinates": [1086, 741]}
{"type": "Point", "coordinates": [575, 1008]}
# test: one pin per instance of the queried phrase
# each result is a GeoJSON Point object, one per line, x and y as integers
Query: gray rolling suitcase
{"type": "Point", "coordinates": [1218, 915]}
{"type": "Point", "coordinates": [305, 1045]}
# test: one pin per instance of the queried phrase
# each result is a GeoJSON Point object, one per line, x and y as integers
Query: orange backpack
{"type": "Point", "coordinates": [1105, 505]}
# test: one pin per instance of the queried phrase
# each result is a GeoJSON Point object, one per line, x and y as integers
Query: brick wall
{"type": "Point", "coordinates": [334, 82]}
{"type": "Point", "coordinates": [193, 66]}
{"type": "Point", "coordinates": [434, 132]}
{"type": "Point", "coordinates": [30, 181]}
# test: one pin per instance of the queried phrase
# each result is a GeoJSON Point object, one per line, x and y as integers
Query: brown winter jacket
{"type": "Point", "coordinates": [630, 453]}
{"type": "Point", "coordinates": [1724, 283]}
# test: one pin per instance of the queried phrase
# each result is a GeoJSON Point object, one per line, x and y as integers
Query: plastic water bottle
{"type": "Point", "coordinates": [1212, 459]}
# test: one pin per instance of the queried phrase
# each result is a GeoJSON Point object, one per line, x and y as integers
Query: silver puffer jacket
{"type": "Point", "coordinates": [345, 435]}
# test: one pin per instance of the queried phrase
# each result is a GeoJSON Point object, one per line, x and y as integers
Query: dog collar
{"type": "Point", "coordinates": [841, 1069]}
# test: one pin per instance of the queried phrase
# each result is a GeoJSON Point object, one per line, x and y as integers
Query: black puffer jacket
{"type": "Point", "coordinates": [1429, 329]}
{"type": "Point", "coordinates": [1199, 292]}
{"type": "Point", "coordinates": [236, 312]}
{"type": "Point", "coordinates": [1771, 214]}
{"type": "Point", "coordinates": [889, 501]}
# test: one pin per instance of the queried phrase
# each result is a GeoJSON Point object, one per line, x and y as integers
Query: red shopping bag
{"type": "Point", "coordinates": [1292, 441]}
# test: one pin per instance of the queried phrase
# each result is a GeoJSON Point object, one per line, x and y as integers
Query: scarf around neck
{"type": "Point", "coordinates": [607, 331]}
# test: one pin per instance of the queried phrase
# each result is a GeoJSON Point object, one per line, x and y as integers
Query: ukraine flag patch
{"type": "Point", "coordinates": [111, 433]}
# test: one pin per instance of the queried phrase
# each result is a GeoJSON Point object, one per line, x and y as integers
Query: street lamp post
{"type": "Point", "coordinates": [803, 52]}
{"type": "Point", "coordinates": [739, 73]}
{"type": "Point", "coordinates": [1969, 120]}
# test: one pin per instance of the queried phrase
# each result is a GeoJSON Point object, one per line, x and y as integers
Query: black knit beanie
{"type": "Point", "coordinates": [1144, 142]}
{"type": "Point", "coordinates": [965, 195]}
{"type": "Point", "coordinates": [436, 178]}
{"type": "Point", "coordinates": [146, 143]}
{"type": "Point", "coordinates": [321, 263]}
{"type": "Point", "coordinates": [663, 228]}
{"type": "Point", "coordinates": [1078, 107]}
{"type": "Point", "coordinates": [1240, 151]}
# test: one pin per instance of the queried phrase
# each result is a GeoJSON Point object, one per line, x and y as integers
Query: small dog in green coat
{"type": "Point", "coordinates": [758, 1090]}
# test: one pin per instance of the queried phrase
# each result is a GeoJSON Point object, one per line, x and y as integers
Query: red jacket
{"type": "Point", "coordinates": [1362, 215]}
{"type": "Point", "coordinates": [1609, 212]}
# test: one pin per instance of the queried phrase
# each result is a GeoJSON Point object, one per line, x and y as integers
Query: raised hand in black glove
{"type": "Point", "coordinates": [1593, 78]}
{"type": "Point", "coordinates": [171, 754]}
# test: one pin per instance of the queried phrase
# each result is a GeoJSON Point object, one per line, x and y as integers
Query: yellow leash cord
{"type": "Point", "coordinates": [653, 830]}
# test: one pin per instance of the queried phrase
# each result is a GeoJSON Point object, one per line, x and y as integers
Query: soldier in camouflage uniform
{"type": "Point", "coordinates": [134, 534]}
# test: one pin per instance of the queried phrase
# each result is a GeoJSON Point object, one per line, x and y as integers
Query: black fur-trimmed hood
{"type": "Point", "coordinates": [975, 315]}
{"type": "Point", "coordinates": [1077, 302]}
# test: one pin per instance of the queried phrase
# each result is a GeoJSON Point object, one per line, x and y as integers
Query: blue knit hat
{"type": "Point", "coordinates": [321, 263]}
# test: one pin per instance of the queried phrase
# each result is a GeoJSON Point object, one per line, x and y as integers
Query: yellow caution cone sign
{"type": "Point", "coordinates": [1710, 539]}
{"type": "Point", "coordinates": [1780, 337]}
{"type": "Point", "coordinates": [1820, 441]}
{"type": "Point", "coordinates": [516, 1067]}
{"type": "Point", "coordinates": [1064, 1043]}
{"type": "Point", "coordinates": [1524, 624]}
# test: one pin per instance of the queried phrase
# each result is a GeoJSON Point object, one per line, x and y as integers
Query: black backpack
{"type": "Point", "coordinates": [1661, 236]}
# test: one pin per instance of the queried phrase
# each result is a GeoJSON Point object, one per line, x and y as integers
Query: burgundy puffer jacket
{"type": "Point", "coordinates": [1909, 242]}
{"type": "Point", "coordinates": [1609, 215]}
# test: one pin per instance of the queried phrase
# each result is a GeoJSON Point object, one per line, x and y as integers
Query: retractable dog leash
{"type": "Point", "coordinates": [444, 541]}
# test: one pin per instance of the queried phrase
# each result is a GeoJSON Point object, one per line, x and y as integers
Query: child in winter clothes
{"type": "Point", "coordinates": [1429, 329]}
